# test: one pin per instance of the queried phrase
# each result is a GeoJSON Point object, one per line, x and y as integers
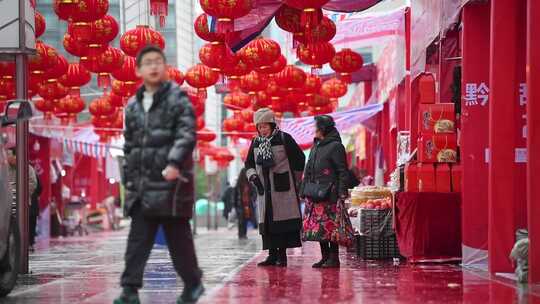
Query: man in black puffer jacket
{"type": "Point", "coordinates": [158, 176]}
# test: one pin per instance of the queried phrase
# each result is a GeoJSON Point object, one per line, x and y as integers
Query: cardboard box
{"type": "Point", "coordinates": [426, 88]}
{"type": "Point", "coordinates": [437, 148]}
{"type": "Point", "coordinates": [456, 178]}
{"type": "Point", "coordinates": [426, 178]}
{"type": "Point", "coordinates": [411, 178]}
{"type": "Point", "coordinates": [437, 118]}
{"type": "Point", "coordinates": [443, 178]}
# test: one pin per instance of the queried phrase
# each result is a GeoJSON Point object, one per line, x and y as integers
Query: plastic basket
{"type": "Point", "coordinates": [369, 248]}
{"type": "Point", "coordinates": [376, 222]}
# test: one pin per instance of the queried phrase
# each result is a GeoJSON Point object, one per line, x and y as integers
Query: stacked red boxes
{"type": "Point", "coordinates": [437, 169]}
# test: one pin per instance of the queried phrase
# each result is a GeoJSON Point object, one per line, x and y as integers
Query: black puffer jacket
{"type": "Point", "coordinates": [327, 164]}
{"type": "Point", "coordinates": [163, 136]}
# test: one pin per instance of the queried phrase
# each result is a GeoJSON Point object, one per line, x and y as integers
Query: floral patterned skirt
{"type": "Point", "coordinates": [319, 223]}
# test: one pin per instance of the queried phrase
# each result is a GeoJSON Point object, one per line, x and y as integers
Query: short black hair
{"type": "Point", "coordinates": [149, 49]}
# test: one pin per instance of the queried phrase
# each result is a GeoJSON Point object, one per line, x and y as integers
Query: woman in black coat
{"type": "Point", "coordinates": [274, 165]}
{"type": "Point", "coordinates": [326, 180]}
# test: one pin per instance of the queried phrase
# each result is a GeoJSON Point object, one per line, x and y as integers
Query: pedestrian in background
{"type": "Point", "coordinates": [274, 165]}
{"type": "Point", "coordinates": [159, 142]}
{"type": "Point", "coordinates": [245, 198]}
{"type": "Point", "coordinates": [326, 180]}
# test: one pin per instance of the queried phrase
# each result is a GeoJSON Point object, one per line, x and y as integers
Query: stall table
{"type": "Point", "coordinates": [428, 226]}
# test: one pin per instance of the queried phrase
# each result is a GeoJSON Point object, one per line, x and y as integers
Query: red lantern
{"type": "Point", "coordinates": [236, 101]}
{"type": "Point", "coordinates": [44, 58]}
{"type": "Point", "coordinates": [106, 63]}
{"type": "Point", "coordinates": [316, 54]}
{"type": "Point", "coordinates": [201, 77]}
{"type": "Point", "coordinates": [84, 14]}
{"type": "Point", "coordinates": [263, 100]}
{"type": "Point", "coordinates": [319, 101]}
{"type": "Point", "coordinates": [203, 30]}
{"type": "Point", "coordinates": [247, 115]}
{"type": "Point", "coordinates": [260, 52]}
{"type": "Point", "coordinates": [205, 135]}
{"type": "Point", "coordinates": [7, 89]}
{"type": "Point", "coordinates": [323, 32]}
{"type": "Point", "coordinates": [226, 11]}
{"type": "Point", "coordinates": [39, 24]}
{"type": "Point", "coordinates": [249, 130]}
{"type": "Point", "coordinates": [34, 83]}
{"type": "Point", "coordinates": [7, 70]}
{"type": "Point", "coordinates": [159, 8]}
{"type": "Point", "coordinates": [135, 40]}
{"type": "Point", "coordinates": [74, 47]}
{"type": "Point", "coordinates": [57, 70]}
{"type": "Point", "coordinates": [128, 70]}
{"type": "Point", "coordinates": [117, 101]}
{"type": "Point", "coordinates": [291, 77]}
{"type": "Point", "coordinates": [223, 157]}
{"type": "Point", "coordinates": [125, 89]}
{"type": "Point", "coordinates": [105, 30]}
{"type": "Point", "coordinates": [346, 62]}
{"type": "Point", "coordinates": [199, 108]}
{"type": "Point", "coordinates": [64, 9]}
{"type": "Point", "coordinates": [217, 56]}
{"type": "Point", "coordinates": [275, 91]}
{"type": "Point", "coordinates": [253, 82]}
{"type": "Point", "coordinates": [289, 19]}
{"type": "Point", "coordinates": [333, 89]}
{"type": "Point", "coordinates": [275, 67]}
{"type": "Point", "coordinates": [44, 106]}
{"type": "Point", "coordinates": [69, 107]}
{"type": "Point", "coordinates": [101, 107]}
{"type": "Point", "coordinates": [311, 10]}
{"type": "Point", "coordinates": [53, 91]}
{"type": "Point", "coordinates": [175, 75]}
{"type": "Point", "coordinates": [200, 123]}
{"type": "Point", "coordinates": [234, 73]}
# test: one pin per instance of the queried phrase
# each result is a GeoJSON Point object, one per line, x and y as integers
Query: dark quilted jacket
{"type": "Point", "coordinates": [164, 136]}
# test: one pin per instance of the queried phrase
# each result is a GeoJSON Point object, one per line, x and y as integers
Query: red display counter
{"type": "Point", "coordinates": [428, 226]}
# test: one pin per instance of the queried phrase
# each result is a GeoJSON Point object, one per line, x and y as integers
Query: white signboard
{"type": "Point", "coordinates": [10, 40]}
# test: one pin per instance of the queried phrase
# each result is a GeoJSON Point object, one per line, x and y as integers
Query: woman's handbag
{"type": "Point", "coordinates": [317, 192]}
{"type": "Point", "coordinates": [344, 233]}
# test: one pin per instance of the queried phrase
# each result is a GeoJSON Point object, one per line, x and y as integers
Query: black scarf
{"type": "Point", "coordinates": [265, 156]}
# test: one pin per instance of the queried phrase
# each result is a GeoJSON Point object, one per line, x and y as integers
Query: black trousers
{"type": "Point", "coordinates": [141, 241]}
{"type": "Point", "coordinates": [242, 227]}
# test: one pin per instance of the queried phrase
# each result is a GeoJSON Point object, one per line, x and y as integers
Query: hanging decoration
{"type": "Point", "coordinates": [136, 39]}
{"type": "Point", "coordinates": [128, 71]}
{"type": "Point", "coordinates": [39, 24]}
{"type": "Point", "coordinates": [261, 53]}
{"type": "Point", "coordinates": [291, 77]}
{"type": "Point", "coordinates": [316, 54]}
{"type": "Point", "coordinates": [175, 75]}
{"type": "Point", "coordinates": [84, 13]}
{"type": "Point", "coordinates": [275, 67]}
{"type": "Point", "coordinates": [226, 11]}
{"type": "Point", "coordinates": [333, 89]}
{"type": "Point", "coordinates": [160, 9]}
{"type": "Point", "coordinates": [323, 32]}
{"type": "Point", "coordinates": [346, 62]}
{"type": "Point", "coordinates": [217, 56]}
{"type": "Point", "coordinates": [311, 11]}
{"type": "Point", "coordinates": [202, 29]}
{"type": "Point", "coordinates": [201, 77]}
{"type": "Point", "coordinates": [253, 83]}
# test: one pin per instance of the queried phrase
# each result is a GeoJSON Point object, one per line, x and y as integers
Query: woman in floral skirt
{"type": "Point", "coordinates": [325, 183]}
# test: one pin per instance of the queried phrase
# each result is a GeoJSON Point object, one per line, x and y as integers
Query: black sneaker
{"type": "Point", "coordinates": [129, 296]}
{"type": "Point", "coordinates": [191, 294]}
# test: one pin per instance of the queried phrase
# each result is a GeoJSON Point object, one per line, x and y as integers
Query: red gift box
{"type": "Point", "coordinates": [426, 88]}
{"type": "Point", "coordinates": [437, 148]}
{"type": "Point", "coordinates": [443, 178]}
{"type": "Point", "coordinates": [426, 178]}
{"type": "Point", "coordinates": [437, 118]}
{"type": "Point", "coordinates": [411, 178]}
{"type": "Point", "coordinates": [456, 178]}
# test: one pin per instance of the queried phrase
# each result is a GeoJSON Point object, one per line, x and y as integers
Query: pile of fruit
{"type": "Point", "coordinates": [380, 203]}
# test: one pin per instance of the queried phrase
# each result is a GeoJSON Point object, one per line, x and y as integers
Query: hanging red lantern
{"type": "Point", "coordinates": [69, 107]}
{"type": "Point", "coordinates": [44, 105]}
{"type": "Point", "coordinates": [74, 47]}
{"type": "Point", "coordinates": [311, 10]}
{"type": "Point", "coordinates": [262, 101]}
{"type": "Point", "coordinates": [53, 91]}
{"type": "Point", "coordinates": [253, 83]}
{"type": "Point", "coordinates": [260, 52]}
{"type": "Point", "coordinates": [7, 89]}
{"type": "Point", "coordinates": [323, 32]}
{"type": "Point", "coordinates": [199, 108]}
{"type": "Point", "coordinates": [223, 157]}
{"type": "Point", "coordinates": [107, 63]}
{"type": "Point", "coordinates": [101, 107]}
{"type": "Point", "coordinates": [136, 39]}
{"type": "Point", "coordinates": [233, 74]}
{"type": "Point", "coordinates": [333, 89]}
{"type": "Point", "coordinates": [128, 71]}
{"type": "Point", "coordinates": [236, 100]}
{"type": "Point", "coordinates": [39, 24]}
{"type": "Point", "coordinates": [247, 115]}
{"type": "Point", "coordinates": [275, 67]}
{"type": "Point", "coordinates": [64, 8]}
{"type": "Point", "coordinates": [84, 14]}
{"type": "Point", "coordinates": [117, 101]}
{"type": "Point", "coordinates": [125, 88]}
{"type": "Point", "coordinates": [44, 58]}
{"type": "Point", "coordinates": [289, 19]}
{"type": "Point", "coordinates": [7, 70]}
{"type": "Point", "coordinates": [318, 101]}
{"type": "Point", "coordinates": [312, 85]}
{"type": "Point", "coordinates": [160, 9]}
{"type": "Point", "coordinates": [201, 77]}
{"type": "Point", "coordinates": [291, 77]}
{"type": "Point", "coordinates": [217, 56]}
{"type": "Point", "coordinates": [175, 75]}
{"type": "Point", "coordinates": [34, 83]}
{"type": "Point", "coordinates": [316, 54]}
{"type": "Point", "coordinates": [105, 30]}
{"type": "Point", "coordinates": [57, 70]}
{"type": "Point", "coordinates": [206, 135]}
{"type": "Point", "coordinates": [226, 11]}
{"type": "Point", "coordinates": [203, 30]}
{"type": "Point", "coordinates": [275, 91]}
{"type": "Point", "coordinates": [346, 62]}
{"type": "Point", "coordinates": [250, 130]}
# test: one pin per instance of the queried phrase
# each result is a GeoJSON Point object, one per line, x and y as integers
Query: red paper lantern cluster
{"type": "Point", "coordinates": [345, 62]}
{"type": "Point", "coordinates": [333, 89]}
{"type": "Point", "coordinates": [260, 53]}
{"type": "Point", "coordinates": [316, 54]}
{"type": "Point", "coordinates": [201, 77]}
{"type": "Point", "coordinates": [136, 39]}
{"type": "Point", "coordinates": [226, 11]}
{"type": "Point", "coordinates": [175, 75]}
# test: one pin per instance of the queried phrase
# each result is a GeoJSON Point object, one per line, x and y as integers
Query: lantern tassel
{"type": "Point", "coordinates": [104, 81]}
{"type": "Point", "coordinates": [310, 17]}
{"type": "Point", "coordinates": [201, 94]}
{"type": "Point", "coordinates": [161, 10]}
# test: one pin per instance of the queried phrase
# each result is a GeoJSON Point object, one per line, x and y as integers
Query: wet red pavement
{"type": "Point", "coordinates": [87, 270]}
{"type": "Point", "coordinates": [363, 282]}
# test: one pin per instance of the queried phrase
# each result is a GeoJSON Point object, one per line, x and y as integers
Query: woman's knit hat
{"type": "Point", "coordinates": [264, 115]}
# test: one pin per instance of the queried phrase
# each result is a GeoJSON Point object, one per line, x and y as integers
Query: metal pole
{"type": "Point", "coordinates": [22, 162]}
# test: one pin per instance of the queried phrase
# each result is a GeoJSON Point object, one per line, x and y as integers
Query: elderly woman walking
{"type": "Point", "coordinates": [325, 182]}
{"type": "Point", "coordinates": [274, 165]}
